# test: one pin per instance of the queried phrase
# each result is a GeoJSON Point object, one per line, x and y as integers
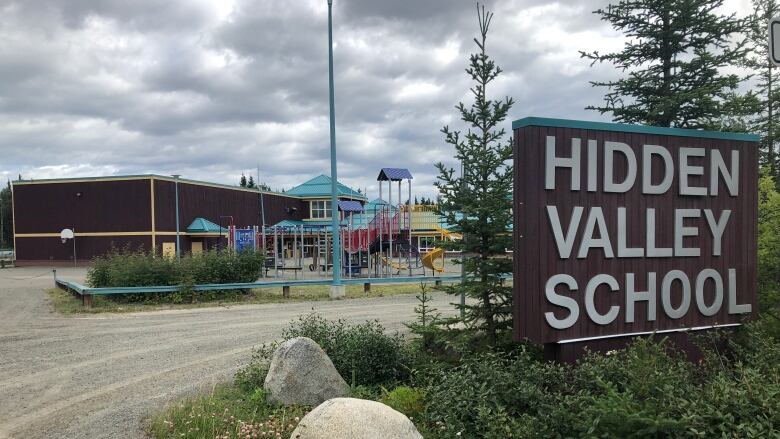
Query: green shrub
{"type": "Point", "coordinates": [468, 398]}
{"type": "Point", "coordinates": [127, 268]}
{"type": "Point", "coordinates": [646, 390]}
{"type": "Point", "coordinates": [407, 400]}
{"type": "Point", "coordinates": [362, 353]}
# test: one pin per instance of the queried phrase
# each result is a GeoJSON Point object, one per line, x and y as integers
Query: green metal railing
{"type": "Point", "coordinates": [86, 293]}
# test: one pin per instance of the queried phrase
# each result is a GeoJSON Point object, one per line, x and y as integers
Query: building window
{"type": "Point", "coordinates": [426, 243]}
{"type": "Point", "coordinates": [320, 209]}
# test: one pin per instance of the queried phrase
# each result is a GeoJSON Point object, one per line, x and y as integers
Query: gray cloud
{"type": "Point", "coordinates": [211, 89]}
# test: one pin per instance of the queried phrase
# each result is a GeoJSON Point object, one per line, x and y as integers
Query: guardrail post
{"type": "Point", "coordinates": [367, 287]}
{"type": "Point", "coordinates": [437, 282]}
{"type": "Point", "coordinates": [286, 291]}
{"type": "Point", "coordinates": [86, 300]}
{"type": "Point", "coordinates": [54, 270]}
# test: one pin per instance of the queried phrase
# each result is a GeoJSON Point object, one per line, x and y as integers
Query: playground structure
{"type": "Point", "coordinates": [376, 238]}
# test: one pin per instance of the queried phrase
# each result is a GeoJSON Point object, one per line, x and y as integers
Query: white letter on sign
{"type": "Point", "coordinates": [595, 219]}
{"type": "Point", "coordinates": [633, 296]}
{"type": "Point", "coordinates": [552, 161]}
{"type": "Point", "coordinates": [680, 232]}
{"type": "Point", "coordinates": [718, 167]}
{"type": "Point", "coordinates": [733, 307]}
{"type": "Point", "coordinates": [609, 178]}
{"type": "Point", "coordinates": [717, 229]}
{"type": "Point", "coordinates": [666, 294]}
{"type": "Point", "coordinates": [647, 169]}
{"type": "Point", "coordinates": [590, 305]}
{"type": "Point", "coordinates": [562, 301]}
{"type": "Point", "coordinates": [713, 309]}
{"type": "Point", "coordinates": [686, 170]}
{"type": "Point", "coordinates": [564, 244]}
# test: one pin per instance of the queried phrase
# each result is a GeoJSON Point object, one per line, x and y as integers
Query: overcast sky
{"type": "Point", "coordinates": [213, 88]}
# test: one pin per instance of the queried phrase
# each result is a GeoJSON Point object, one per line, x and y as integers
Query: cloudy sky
{"type": "Point", "coordinates": [213, 88]}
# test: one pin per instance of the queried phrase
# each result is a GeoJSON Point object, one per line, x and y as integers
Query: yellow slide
{"type": "Point", "coordinates": [430, 257]}
{"type": "Point", "coordinates": [447, 234]}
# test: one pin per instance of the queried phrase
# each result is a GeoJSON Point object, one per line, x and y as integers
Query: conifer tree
{"type": "Point", "coordinates": [672, 61]}
{"type": "Point", "coordinates": [251, 182]}
{"type": "Point", "coordinates": [477, 202]}
{"type": "Point", "coordinates": [242, 182]}
{"type": "Point", "coordinates": [766, 85]}
{"type": "Point", "coordinates": [6, 218]}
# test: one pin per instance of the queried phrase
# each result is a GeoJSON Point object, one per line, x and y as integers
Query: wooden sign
{"type": "Point", "coordinates": [626, 230]}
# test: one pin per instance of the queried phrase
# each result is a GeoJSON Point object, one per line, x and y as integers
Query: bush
{"type": "Point", "coordinates": [646, 390]}
{"type": "Point", "coordinates": [407, 400]}
{"type": "Point", "coordinates": [362, 353]}
{"type": "Point", "coordinates": [127, 268]}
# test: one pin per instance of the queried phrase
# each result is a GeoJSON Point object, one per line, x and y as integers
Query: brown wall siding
{"type": "Point", "coordinates": [212, 202]}
{"type": "Point", "coordinates": [104, 206]}
{"type": "Point", "coordinates": [87, 247]}
{"type": "Point", "coordinates": [125, 206]}
{"type": "Point", "coordinates": [536, 258]}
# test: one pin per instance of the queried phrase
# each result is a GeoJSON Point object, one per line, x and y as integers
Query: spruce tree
{"type": "Point", "coordinates": [251, 182]}
{"type": "Point", "coordinates": [6, 218]}
{"type": "Point", "coordinates": [672, 62]}
{"type": "Point", "coordinates": [242, 181]}
{"type": "Point", "coordinates": [766, 83]}
{"type": "Point", "coordinates": [478, 202]}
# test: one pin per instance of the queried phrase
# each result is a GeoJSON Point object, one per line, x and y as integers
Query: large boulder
{"type": "Point", "coordinates": [302, 374]}
{"type": "Point", "coordinates": [352, 418]}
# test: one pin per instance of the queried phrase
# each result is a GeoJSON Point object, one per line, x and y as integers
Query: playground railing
{"type": "Point", "coordinates": [86, 293]}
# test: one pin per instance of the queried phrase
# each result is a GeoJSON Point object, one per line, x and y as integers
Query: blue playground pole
{"type": "Point", "coordinates": [333, 174]}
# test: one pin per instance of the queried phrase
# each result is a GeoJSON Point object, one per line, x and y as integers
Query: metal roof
{"type": "Point", "coordinates": [350, 206]}
{"type": "Point", "coordinates": [202, 225]}
{"type": "Point", "coordinates": [394, 174]}
{"type": "Point", "coordinates": [320, 187]}
{"type": "Point", "coordinates": [307, 225]}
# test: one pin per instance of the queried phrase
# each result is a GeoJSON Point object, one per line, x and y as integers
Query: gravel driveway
{"type": "Point", "coordinates": [100, 376]}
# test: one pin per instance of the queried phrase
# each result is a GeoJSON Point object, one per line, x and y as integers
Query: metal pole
{"type": "Point", "coordinates": [262, 206]}
{"type": "Point", "coordinates": [276, 253]}
{"type": "Point", "coordinates": [390, 226]}
{"type": "Point", "coordinates": [74, 247]}
{"type": "Point", "coordinates": [178, 248]}
{"type": "Point", "coordinates": [400, 215]}
{"type": "Point", "coordinates": [410, 226]}
{"type": "Point", "coordinates": [333, 171]}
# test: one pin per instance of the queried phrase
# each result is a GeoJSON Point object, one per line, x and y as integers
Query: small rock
{"type": "Point", "coordinates": [302, 374]}
{"type": "Point", "coordinates": [352, 418]}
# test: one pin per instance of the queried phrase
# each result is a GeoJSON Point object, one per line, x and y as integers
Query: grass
{"type": "Point", "coordinates": [226, 412]}
{"type": "Point", "coordinates": [66, 303]}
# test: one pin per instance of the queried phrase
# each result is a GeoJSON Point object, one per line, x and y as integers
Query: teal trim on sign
{"type": "Point", "coordinates": [626, 128]}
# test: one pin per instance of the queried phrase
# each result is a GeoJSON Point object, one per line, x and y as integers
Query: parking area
{"type": "Point", "coordinates": [89, 376]}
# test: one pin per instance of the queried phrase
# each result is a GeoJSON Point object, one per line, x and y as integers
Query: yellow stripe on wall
{"type": "Point", "coordinates": [98, 234]}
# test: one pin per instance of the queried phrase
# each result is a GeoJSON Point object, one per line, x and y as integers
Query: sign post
{"type": "Point", "coordinates": [774, 40]}
{"type": "Point", "coordinates": [624, 230]}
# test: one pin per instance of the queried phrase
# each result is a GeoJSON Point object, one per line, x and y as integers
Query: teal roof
{"type": "Point", "coordinates": [306, 224]}
{"type": "Point", "coordinates": [359, 220]}
{"type": "Point", "coordinates": [626, 128]}
{"type": "Point", "coordinates": [320, 187]}
{"type": "Point", "coordinates": [375, 205]}
{"type": "Point", "coordinates": [202, 225]}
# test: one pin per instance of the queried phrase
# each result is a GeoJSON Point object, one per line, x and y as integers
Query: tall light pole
{"type": "Point", "coordinates": [178, 248]}
{"type": "Point", "coordinates": [337, 288]}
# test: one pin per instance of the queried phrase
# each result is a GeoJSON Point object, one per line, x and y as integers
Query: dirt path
{"type": "Point", "coordinates": [99, 376]}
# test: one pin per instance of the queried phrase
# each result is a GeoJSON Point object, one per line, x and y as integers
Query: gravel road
{"type": "Point", "coordinates": [100, 376]}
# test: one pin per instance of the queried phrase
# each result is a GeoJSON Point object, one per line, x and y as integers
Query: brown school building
{"type": "Point", "coordinates": [139, 212]}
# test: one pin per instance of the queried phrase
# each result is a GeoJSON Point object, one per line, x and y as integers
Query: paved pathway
{"type": "Point", "coordinates": [99, 376]}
